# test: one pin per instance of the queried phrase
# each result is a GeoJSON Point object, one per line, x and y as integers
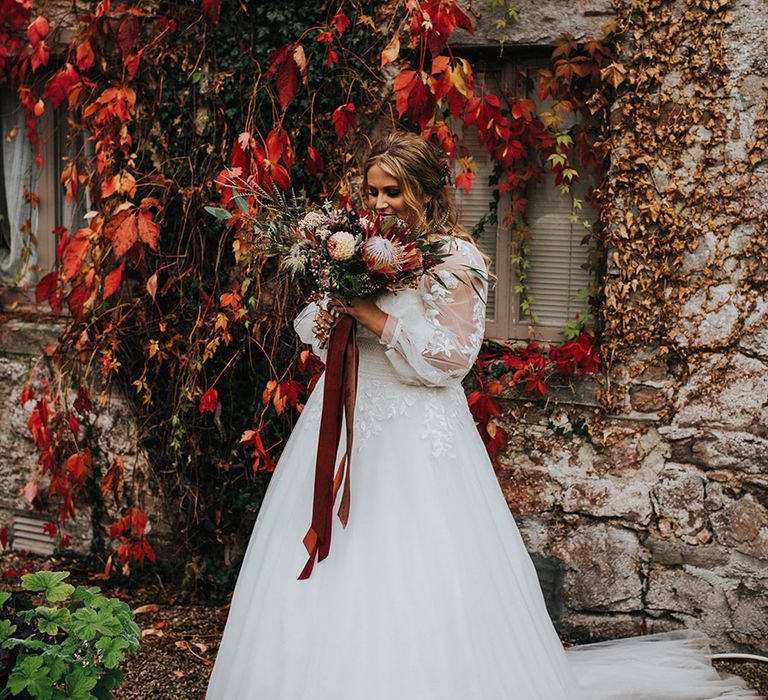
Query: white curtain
{"type": "Point", "coordinates": [18, 252]}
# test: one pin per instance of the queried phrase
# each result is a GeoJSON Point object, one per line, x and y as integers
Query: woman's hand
{"type": "Point", "coordinates": [363, 310]}
{"type": "Point", "coordinates": [324, 321]}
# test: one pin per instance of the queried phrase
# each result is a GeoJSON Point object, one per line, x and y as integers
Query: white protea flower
{"type": "Point", "coordinates": [341, 245]}
{"type": "Point", "coordinates": [381, 254]}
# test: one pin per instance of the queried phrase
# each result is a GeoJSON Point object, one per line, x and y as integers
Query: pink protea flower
{"type": "Point", "coordinates": [382, 255]}
{"type": "Point", "coordinates": [341, 245]}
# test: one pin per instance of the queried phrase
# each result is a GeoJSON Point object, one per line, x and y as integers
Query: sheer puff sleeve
{"type": "Point", "coordinates": [442, 347]}
{"type": "Point", "coordinates": [303, 323]}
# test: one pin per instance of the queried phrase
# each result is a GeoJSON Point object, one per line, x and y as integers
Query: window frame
{"type": "Point", "coordinates": [510, 325]}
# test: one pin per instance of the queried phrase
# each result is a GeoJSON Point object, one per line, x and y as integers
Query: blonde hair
{"type": "Point", "coordinates": [422, 171]}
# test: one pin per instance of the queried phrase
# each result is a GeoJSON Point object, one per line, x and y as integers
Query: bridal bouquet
{"type": "Point", "coordinates": [335, 250]}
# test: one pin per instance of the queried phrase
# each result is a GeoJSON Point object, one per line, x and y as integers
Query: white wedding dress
{"type": "Point", "coordinates": [428, 593]}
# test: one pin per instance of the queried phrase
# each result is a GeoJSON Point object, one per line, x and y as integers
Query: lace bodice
{"type": "Point", "coordinates": [434, 332]}
{"type": "Point", "coordinates": [429, 343]}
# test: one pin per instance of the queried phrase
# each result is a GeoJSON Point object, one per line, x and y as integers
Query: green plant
{"type": "Point", "coordinates": [58, 641]}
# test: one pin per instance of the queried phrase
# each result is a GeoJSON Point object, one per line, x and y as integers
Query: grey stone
{"type": "Point", "coordinates": [628, 499]}
{"type": "Point", "coordinates": [743, 525]}
{"type": "Point", "coordinates": [540, 23]}
{"type": "Point", "coordinates": [602, 569]}
{"type": "Point", "coordinates": [679, 500]}
{"type": "Point", "coordinates": [677, 591]}
{"type": "Point", "coordinates": [735, 403]}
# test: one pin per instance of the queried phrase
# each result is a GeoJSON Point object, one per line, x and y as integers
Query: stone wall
{"type": "Point", "coordinates": [24, 335]}
{"type": "Point", "coordinates": [663, 522]}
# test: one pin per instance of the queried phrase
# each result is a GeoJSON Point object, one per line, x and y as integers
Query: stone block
{"type": "Point", "coordinates": [679, 500]}
{"type": "Point", "coordinates": [709, 317]}
{"type": "Point", "coordinates": [646, 398]}
{"type": "Point", "coordinates": [584, 628]}
{"type": "Point", "coordinates": [529, 490]}
{"type": "Point", "coordinates": [743, 525]}
{"type": "Point", "coordinates": [732, 398]}
{"type": "Point", "coordinates": [602, 568]}
{"type": "Point", "coordinates": [627, 499]}
{"type": "Point", "coordinates": [668, 551]}
{"type": "Point", "coordinates": [725, 449]}
{"type": "Point", "coordinates": [540, 22]}
{"type": "Point", "coordinates": [675, 590]}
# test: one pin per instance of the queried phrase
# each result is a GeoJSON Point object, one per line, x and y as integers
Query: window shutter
{"type": "Point", "coordinates": [475, 204]}
{"type": "Point", "coordinates": [555, 251]}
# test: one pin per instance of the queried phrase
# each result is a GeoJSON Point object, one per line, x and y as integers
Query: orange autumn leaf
{"type": "Point", "coordinates": [112, 281]}
{"type": "Point", "coordinates": [125, 235]}
{"type": "Point", "coordinates": [149, 231]}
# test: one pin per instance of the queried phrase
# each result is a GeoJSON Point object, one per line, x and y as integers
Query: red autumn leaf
{"type": "Point", "coordinates": [331, 58]}
{"type": "Point", "coordinates": [315, 163]}
{"type": "Point", "coordinates": [26, 395]}
{"type": "Point", "coordinates": [340, 22]}
{"type": "Point", "coordinates": [128, 34]}
{"type": "Point", "coordinates": [73, 425]}
{"type": "Point", "coordinates": [262, 458]}
{"type": "Point", "coordinates": [402, 87]}
{"type": "Point", "coordinates": [45, 287]}
{"type": "Point", "coordinates": [76, 300]}
{"type": "Point", "coordinates": [50, 529]}
{"type": "Point", "coordinates": [211, 10]}
{"type": "Point", "coordinates": [464, 180]}
{"type": "Point", "coordinates": [84, 56]}
{"type": "Point", "coordinates": [125, 235]}
{"type": "Point", "coordinates": [79, 465]}
{"type": "Point", "coordinates": [4, 537]}
{"type": "Point", "coordinates": [276, 59]}
{"type": "Point", "coordinates": [343, 118]}
{"type": "Point", "coordinates": [325, 37]}
{"type": "Point", "coordinates": [149, 231]}
{"type": "Point", "coordinates": [208, 401]}
{"type": "Point", "coordinates": [82, 402]}
{"type": "Point", "coordinates": [37, 30]}
{"type": "Point", "coordinates": [112, 281]}
{"type": "Point", "coordinates": [288, 77]}
{"type": "Point", "coordinates": [40, 56]}
{"type": "Point", "coordinates": [113, 480]}
{"type": "Point", "coordinates": [231, 299]}
{"type": "Point", "coordinates": [138, 522]}
{"type": "Point", "coordinates": [63, 542]}
{"type": "Point", "coordinates": [58, 87]}
{"type": "Point", "coordinates": [74, 255]}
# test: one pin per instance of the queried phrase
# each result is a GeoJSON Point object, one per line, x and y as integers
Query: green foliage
{"type": "Point", "coordinates": [68, 651]}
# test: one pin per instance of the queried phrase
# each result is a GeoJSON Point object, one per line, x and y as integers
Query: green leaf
{"type": "Point", "coordinates": [111, 678]}
{"type": "Point", "coordinates": [28, 674]}
{"type": "Point", "coordinates": [87, 624]}
{"type": "Point", "coordinates": [7, 628]}
{"type": "Point", "coordinates": [80, 682]}
{"type": "Point", "coordinates": [112, 650]}
{"type": "Point", "coordinates": [4, 595]}
{"type": "Point", "coordinates": [241, 205]}
{"type": "Point", "coordinates": [49, 620]}
{"type": "Point", "coordinates": [219, 213]}
{"type": "Point", "coordinates": [49, 583]}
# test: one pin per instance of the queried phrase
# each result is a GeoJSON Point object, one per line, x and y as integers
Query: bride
{"type": "Point", "coordinates": [428, 593]}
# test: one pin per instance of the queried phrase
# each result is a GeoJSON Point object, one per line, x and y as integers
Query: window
{"type": "Point", "coordinates": [27, 245]}
{"type": "Point", "coordinates": [557, 261]}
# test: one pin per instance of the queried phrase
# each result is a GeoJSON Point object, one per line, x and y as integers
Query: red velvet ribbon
{"type": "Point", "coordinates": [338, 404]}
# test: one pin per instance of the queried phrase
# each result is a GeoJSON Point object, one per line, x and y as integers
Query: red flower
{"type": "Point", "coordinates": [209, 400]}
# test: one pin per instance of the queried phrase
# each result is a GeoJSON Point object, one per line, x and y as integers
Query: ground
{"type": "Point", "coordinates": [179, 642]}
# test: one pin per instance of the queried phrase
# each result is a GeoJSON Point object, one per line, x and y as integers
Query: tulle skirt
{"type": "Point", "coordinates": [428, 593]}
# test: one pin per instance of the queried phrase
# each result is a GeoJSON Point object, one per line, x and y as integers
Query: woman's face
{"type": "Point", "coordinates": [385, 196]}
